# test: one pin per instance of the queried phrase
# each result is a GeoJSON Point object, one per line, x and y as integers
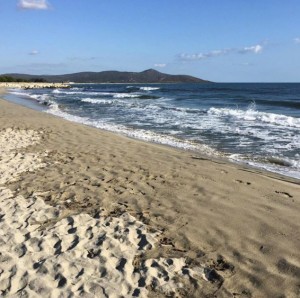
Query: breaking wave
{"type": "Point", "coordinates": [253, 115]}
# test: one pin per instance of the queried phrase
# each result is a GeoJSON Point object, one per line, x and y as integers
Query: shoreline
{"type": "Point", "coordinates": [238, 222]}
{"type": "Point", "coordinates": [32, 85]}
{"type": "Point", "coordinates": [199, 150]}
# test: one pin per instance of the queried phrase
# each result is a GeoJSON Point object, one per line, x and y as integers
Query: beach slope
{"type": "Point", "coordinates": [87, 212]}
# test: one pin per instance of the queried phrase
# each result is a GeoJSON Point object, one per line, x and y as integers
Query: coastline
{"type": "Point", "coordinates": [238, 222]}
{"type": "Point", "coordinates": [25, 85]}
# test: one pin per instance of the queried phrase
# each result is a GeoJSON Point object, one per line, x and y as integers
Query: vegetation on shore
{"type": "Point", "coordinates": [147, 76]}
{"type": "Point", "coordinates": [9, 79]}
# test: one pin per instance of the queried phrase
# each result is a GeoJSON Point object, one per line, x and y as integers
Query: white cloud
{"type": "Point", "coordinates": [253, 49]}
{"type": "Point", "coordinates": [191, 57]}
{"type": "Point", "coordinates": [34, 52]}
{"type": "Point", "coordinates": [34, 4]}
{"type": "Point", "coordinates": [297, 40]}
{"type": "Point", "coordinates": [256, 49]}
{"type": "Point", "coordinates": [160, 65]}
{"type": "Point", "coordinates": [201, 56]}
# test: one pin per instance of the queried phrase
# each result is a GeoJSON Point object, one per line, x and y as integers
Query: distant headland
{"type": "Point", "coordinates": [147, 76]}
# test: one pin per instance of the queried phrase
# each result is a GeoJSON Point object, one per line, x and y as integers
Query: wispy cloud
{"type": "Point", "coordinates": [253, 49]}
{"type": "Point", "coordinates": [160, 65]}
{"type": "Point", "coordinates": [34, 53]}
{"type": "Point", "coordinates": [256, 49]}
{"type": "Point", "coordinates": [34, 4]}
{"type": "Point", "coordinates": [297, 40]}
{"type": "Point", "coordinates": [201, 56]}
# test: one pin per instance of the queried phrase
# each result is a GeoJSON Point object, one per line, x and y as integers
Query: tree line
{"type": "Point", "coordinates": [9, 79]}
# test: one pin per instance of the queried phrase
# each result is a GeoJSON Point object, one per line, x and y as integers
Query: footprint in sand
{"type": "Point", "coordinates": [243, 182]}
{"type": "Point", "coordinates": [78, 254]}
{"type": "Point", "coordinates": [285, 194]}
{"type": "Point", "coordinates": [48, 252]}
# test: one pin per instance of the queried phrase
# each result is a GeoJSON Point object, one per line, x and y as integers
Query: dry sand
{"type": "Point", "coordinates": [89, 213]}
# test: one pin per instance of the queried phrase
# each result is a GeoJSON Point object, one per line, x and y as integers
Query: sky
{"type": "Point", "coordinates": [216, 40]}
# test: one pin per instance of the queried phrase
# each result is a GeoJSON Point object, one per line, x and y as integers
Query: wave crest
{"type": "Point", "coordinates": [149, 88]}
{"type": "Point", "coordinates": [253, 115]}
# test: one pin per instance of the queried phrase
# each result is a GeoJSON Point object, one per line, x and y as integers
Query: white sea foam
{"type": "Point", "coordinates": [149, 88]}
{"type": "Point", "coordinates": [103, 93]}
{"type": "Point", "coordinates": [285, 167]}
{"type": "Point", "coordinates": [44, 99]}
{"type": "Point", "coordinates": [125, 95]}
{"type": "Point", "coordinates": [276, 164]}
{"type": "Point", "coordinates": [253, 115]}
{"type": "Point", "coordinates": [97, 101]}
{"type": "Point", "coordinates": [41, 98]}
{"type": "Point", "coordinates": [19, 92]}
{"type": "Point", "coordinates": [57, 91]}
{"type": "Point", "coordinates": [141, 134]}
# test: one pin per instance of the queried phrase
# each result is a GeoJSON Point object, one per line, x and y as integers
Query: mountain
{"type": "Point", "coordinates": [147, 76]}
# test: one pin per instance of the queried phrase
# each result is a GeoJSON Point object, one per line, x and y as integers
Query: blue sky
{"type": "Point", "coordinates": [218, 40]}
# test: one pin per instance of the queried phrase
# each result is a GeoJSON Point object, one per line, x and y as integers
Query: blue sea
{"type": "Point", "coordinates": [254, 124]}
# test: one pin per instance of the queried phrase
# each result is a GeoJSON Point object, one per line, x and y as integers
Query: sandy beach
{"type": "Point", "coordinates": [88, 213]}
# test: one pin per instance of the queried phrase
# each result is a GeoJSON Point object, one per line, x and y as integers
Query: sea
{"type": "Point", "coordinates": [256, 124]}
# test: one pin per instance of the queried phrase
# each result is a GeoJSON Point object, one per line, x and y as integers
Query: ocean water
{"type": "Point", "coordinates": [255, 124]}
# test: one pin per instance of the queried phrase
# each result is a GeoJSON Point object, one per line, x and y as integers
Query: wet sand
{"type": "Point", "coordinates": [171, 222]}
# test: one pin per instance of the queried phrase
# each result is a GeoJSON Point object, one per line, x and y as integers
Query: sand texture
{"type": "Point", "coordinates": [54, 252]}
{"type": "Point", "coordinates": [45, 252]}
{"type": "Point", "coordinates": [88, 213]}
